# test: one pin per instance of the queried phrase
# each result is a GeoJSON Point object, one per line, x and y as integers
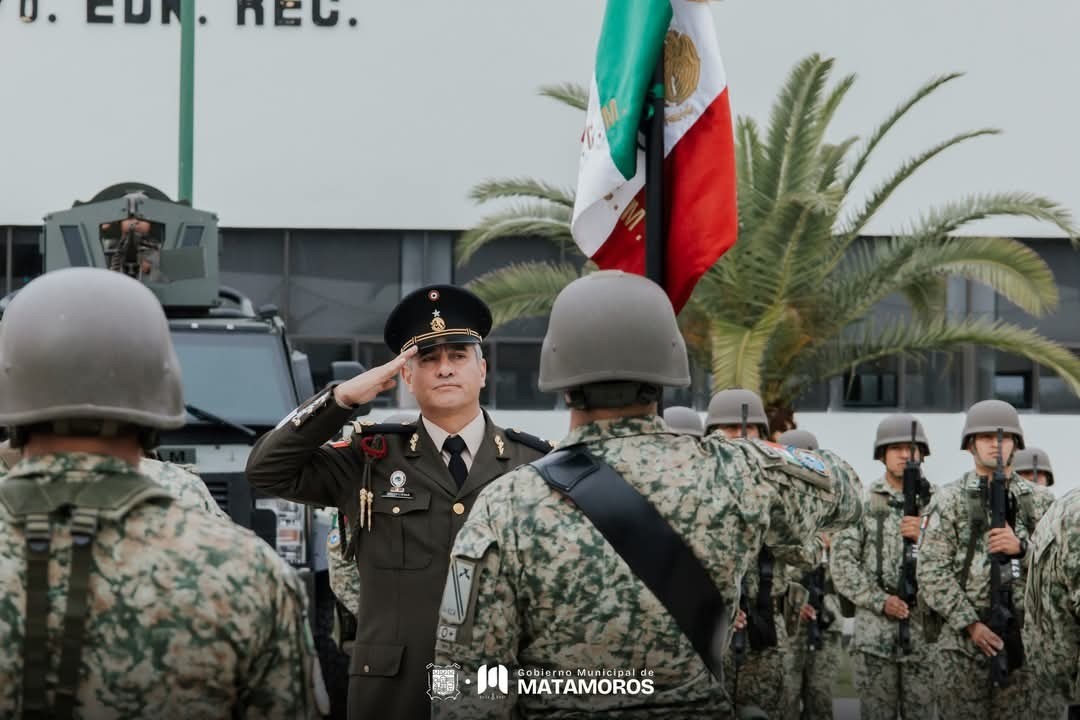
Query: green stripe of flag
{"type": "Point", "coordinates": [631, 40]}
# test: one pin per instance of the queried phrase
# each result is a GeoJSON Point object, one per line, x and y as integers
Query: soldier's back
{"type": "Point", "coordinates": [188, 616]}
{"type": "Point", "coordinates": [580, 606]}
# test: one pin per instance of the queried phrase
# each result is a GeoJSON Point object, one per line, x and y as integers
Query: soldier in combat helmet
{"type": "Point", "coordinates": [685, 420]}
{"type": "Point", "coordinates": [954, 573]}
{"type": "Point", "coordinates": [1033, 464]}
{"type": "Point", "coordinates": [757, 675]}
{"type": "Point", "coordinates": [101, 564]}
{"type": "Point", "coordinates": [555, 570]}
{"type": "Point", "coordinates": [891, 680]}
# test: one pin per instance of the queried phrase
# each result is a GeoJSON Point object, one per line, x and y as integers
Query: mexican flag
{"type": "Point", "coordinates": [699, 147]}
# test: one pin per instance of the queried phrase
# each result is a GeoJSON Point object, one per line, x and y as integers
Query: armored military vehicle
{"type": "Point", "coordinates": [240, 374]}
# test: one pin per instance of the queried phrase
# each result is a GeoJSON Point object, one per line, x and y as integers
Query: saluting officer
{"type": "Point", "coordinates": [404, 489]}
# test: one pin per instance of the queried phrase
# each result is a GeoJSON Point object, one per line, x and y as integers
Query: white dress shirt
{"type": "Point", "coordinates": [472, 434]}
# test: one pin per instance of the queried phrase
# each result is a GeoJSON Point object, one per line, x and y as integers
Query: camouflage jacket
{"type": "Point", "coordinates": [542, 591]}
{"type": "Point", "coordinates": [944, 548]}
{"type": "Point", "coordinates": [1052, 626]}
{"type": "Point", "coordinates": [188, 487]}
{"type": "Point", "coordinates": [180, 480]}
{"type": "Point", "coordinates": [855, 573]}
{"type": "Point", "coordinates": [344, 577]}
{"type": "Point", "coordinates": [813, 555]}
{"type": "Point", "coordinates": [189, 616]}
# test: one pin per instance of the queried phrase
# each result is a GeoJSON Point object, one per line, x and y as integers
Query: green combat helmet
{"type": "Point", "coordinates": [1034, 459]}
{"type": "Point", "coordinates": [989, 415]}
{"type": "Point", "coordinates": [896, 430]}
{"type": "Point", "coordinates": [800, 439]}
{"type": "Point", "coordinates": [79, 367]}
{"type": "Point", "coordinates": [725, 408]}
{"type": "Point", "coordinates": [685, 420]}
{"type": "Point", "coordinates": [612, 341]}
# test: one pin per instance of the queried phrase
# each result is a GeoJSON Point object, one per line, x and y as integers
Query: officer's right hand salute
{"type": "Point", "coordinates": [364, 387]}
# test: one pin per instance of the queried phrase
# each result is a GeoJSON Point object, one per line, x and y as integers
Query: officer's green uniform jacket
{"type": "Point", "coordinates": [944, 549]}
{"type": "Point", "coordinates": [856, 554]}
{"type": "Point", "coordinates": [540, 588]}
{"type": "Point", "coordinates": [402, 559]}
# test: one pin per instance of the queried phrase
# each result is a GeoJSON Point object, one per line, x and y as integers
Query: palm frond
{"type": "Point", "coordinates": [572, 94]}
{"type": "Point", "coordinates": [914, 339]}
{"type": "Point", "coordinates": [902, 265]}
{"type": "Point", "coordinates": [738, 352]}
{"type": "Point", "coordinates": [500, 188]}
{"type": "Point", "coordinates": [768, 173]}
{"type": "Point", "coordinates": [902, 109]}
{"type": "Point", "coordinates": [830, 161]}
{"type": "Point", "coordinates": [886, 188]}
{"type": "Point", "coordinates": [792, 142]}
{"type": "Point", "coordinates": [947, 219]}
{"type": "Point", "coordinates": [523, 290]}
{"type": "Point", "coordinates": [832, 102]}
{"type": "Point", "coordinates": [535, 219]}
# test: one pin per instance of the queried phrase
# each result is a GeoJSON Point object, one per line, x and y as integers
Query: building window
{"type": "Point", "coordinates": [933, 382]}
{"type": "Point", "coordinates": [1014, 380]}
{"type": "Point", "coordinates": [872, 385]}
{"type": "Point", "coordinates": [342, 282]}
{"type": "Point", "coordinates": [513, 372]}
{"type": "Point", "coordinates": [26, 260]}
{"type": "Point", "coordinates": [1055, 396]}
{"type": "Point", "coordinates": [253, 262]}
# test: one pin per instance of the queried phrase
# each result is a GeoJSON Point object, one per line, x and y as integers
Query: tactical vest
{"type": "Point", "coordinates": [977, 498]}
{"type": "Point", "coordinates": [34, 506]}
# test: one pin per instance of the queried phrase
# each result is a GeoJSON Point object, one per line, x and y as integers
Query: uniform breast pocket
{"type": "Point", "coordinates": [402, 532]}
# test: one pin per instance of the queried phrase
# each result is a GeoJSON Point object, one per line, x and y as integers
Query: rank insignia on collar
{"type": "Point", "coordinates": [499, 445]}
{"type": "Point", "coordinates": [412, 442]}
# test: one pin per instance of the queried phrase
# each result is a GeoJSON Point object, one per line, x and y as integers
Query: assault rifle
{"type": "Point", "coordinates": [823, 617]}
{"type": "Point", "coordinates": [738, 640]}
{"type": "Point", "coordinates": [1003, 571]}
{"type": "Point", "coordinates": [907, 589]}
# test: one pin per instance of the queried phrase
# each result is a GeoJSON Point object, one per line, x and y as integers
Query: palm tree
{"type": "Point", "coordinates": [790, 305]}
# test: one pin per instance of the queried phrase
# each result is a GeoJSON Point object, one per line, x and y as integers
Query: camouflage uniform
{"type": "Point", "coordinates": [188, 487]}
{"type": "Point", "coordinates": [759, 681]}
{"type": "Point", "coordinates": [344, 578]}
{"type": "Point", "coordinates": [542, 590]}
{"type": "Point", "coordinates": [810, 674]}
{"type": "Point", "coordinates": [1052, 626]}
{"type": "Point", "coordinates": [180, 480]}
{"type": "Point", "coordinates": [964, 691]}
{"type": "Point", "coordinates": [190, 617]}
{"type": "Point", "coordinates": [887, 680]}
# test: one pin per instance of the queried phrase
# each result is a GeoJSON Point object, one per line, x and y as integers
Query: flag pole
{"type": "Point", "coordinates": [655, 212]}
{"type": "Point", "coordinates": [187, 100]}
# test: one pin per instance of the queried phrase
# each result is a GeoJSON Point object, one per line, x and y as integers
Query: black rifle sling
{"type": "Point", "coordinates": [649, 545]}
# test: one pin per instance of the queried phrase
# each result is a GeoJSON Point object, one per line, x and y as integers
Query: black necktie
{"type": "Point", "coordinates": [455, 446]}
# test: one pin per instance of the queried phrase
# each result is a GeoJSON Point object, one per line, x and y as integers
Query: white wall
{"type": "Point", "coordinates": [388, 123]}
{"type": "Point", "coordinates": [852, 436]}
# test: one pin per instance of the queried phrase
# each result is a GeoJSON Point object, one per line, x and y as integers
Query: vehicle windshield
{"type": "Point", "coordinates": [242, 377]}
